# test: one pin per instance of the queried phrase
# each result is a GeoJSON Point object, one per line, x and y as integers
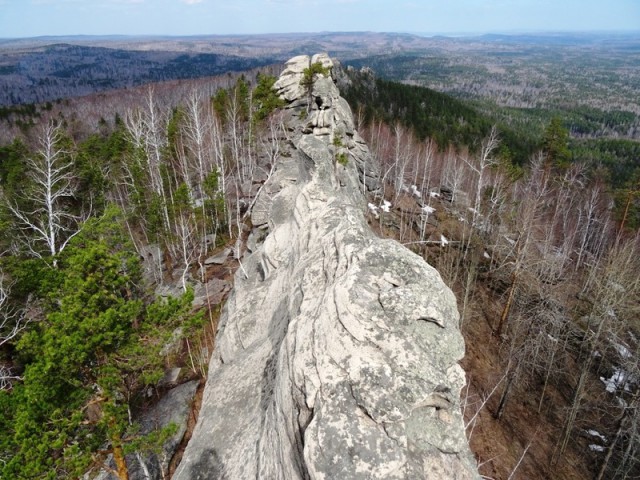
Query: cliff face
{"type": "Point", "coordinates": [337, 354]}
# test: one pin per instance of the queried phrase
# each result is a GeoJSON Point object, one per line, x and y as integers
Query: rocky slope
{"type": "Point", "coordinates": [337, 355]}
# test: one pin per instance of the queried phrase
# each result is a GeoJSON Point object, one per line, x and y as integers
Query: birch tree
{"type": "Point", "coordinates": [43, 214]}
{"type": "Point", "coordinates": [485, 161]}
{"type": "Point", "coordinates": [533, 193]}
{"type": "Point", "coordinates": [144, 183]}
{"type": "Point", "coordinates": [198, 128]}
{"type": "Point", "coordinates": [12, 322]}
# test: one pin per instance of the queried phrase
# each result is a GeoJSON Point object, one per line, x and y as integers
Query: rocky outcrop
{"type": "Point", "coordinates": [337, 352]}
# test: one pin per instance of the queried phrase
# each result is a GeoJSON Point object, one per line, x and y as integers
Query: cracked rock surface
{"type": "Point", "coordinates": [337, 354]}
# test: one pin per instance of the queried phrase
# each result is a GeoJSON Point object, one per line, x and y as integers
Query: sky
{"type": "Point", "coordinates": [28, 18]}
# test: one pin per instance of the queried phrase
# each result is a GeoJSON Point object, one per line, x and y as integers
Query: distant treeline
{"type": "Point", "coordinates": [63, 71]}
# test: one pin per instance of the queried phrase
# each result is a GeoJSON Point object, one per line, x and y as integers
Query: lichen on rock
{"type": "Point", "coordinates": [337, 353]}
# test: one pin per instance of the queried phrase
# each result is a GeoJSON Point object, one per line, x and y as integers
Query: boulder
{"type": "Point", "coordinates": [211, 292]}
{"type": "Point", "coordinates": [288, 85]}
{"type": "Point", "coordinates": [174, 407]}
{"type": "Point", "coordinates": [219, 258]}
{"type": "Point", "coordinates": [152, 264]}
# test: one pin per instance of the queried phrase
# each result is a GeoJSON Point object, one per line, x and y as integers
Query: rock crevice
{"type": "Point", "coordinates": [337, 351]}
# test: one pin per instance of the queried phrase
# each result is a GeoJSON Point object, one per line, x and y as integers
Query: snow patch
{"type": "Point", "coordinates": [510, 240]}
{"type": "Point", "coordinates": [443, 241]}
{"type": "Point", "coordinates": [623, 351]}
{"type": "Point", "coordinates": [486, 255]}
{"type": "Point", "coordinates": [595, 433]}
{"type": "Point", "coordinates": [386, 205]}
{"type": "Point", "coordinates": [596, 448]}
{"type": "Point", "coordinates": [617, 287]}
{"type": "Point", "coordinates": [415, 191]}
{"type": "Point", "coordinates": [620, 379]}
{"type": "Point", "coordinates": [434, 194]}
{"type": "Point", "coordinates": [428, 210]}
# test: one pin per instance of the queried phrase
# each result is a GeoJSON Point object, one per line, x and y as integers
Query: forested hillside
{"type": "Point", "coordinates": [90, 314]}
{"type": "Point", "coordinates": [451, 122]}
{"type": "Point", "coordinates": [54, 72]}
{"type": "Point", "coordinates": [585, 83]}
{"type": "Point", "coordinates": [110, 209]}
{"type": "Point", "coordinates": [430, 114]}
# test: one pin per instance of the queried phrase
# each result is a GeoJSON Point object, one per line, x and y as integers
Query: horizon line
{"type": "Point", "coordinates": [451, 34]}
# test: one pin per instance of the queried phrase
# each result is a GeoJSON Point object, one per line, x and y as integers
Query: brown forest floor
{"type": "Point", "coordinates": [499, 444]}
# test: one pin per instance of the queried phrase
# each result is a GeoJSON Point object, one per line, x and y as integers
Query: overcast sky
{"type": "Point", "coordinates": [26, 18]}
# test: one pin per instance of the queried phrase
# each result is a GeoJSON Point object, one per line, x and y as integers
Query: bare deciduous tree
{"type": "Point", "coordinates": [12, 322]}
{"type": "Point", "coordinates": [533, 192]}
{"type": "Point", "coordinates": [45, 222]}
{"type": "Point", "coordinates": [147, 133]}
{"type": "Point", "coordinates": [614, 302]}
{"type": "Point", "coordinates": [480, 166]}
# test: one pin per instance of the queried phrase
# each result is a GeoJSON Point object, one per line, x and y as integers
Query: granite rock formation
{"type": "Point", "coordinates": [337, 354]}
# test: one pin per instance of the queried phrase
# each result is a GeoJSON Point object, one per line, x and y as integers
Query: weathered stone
{"type": "Point", "coordinates": [174, 344]}
{"type": "Point", "coordinates": [260, 211]}
{"type": "Point", "coordinates": [337, 353]}
{"type": "Point", "coordinates": [174, 407]}
{"type": "Point", "coordinates": [288, 85]}
{"type": "Point", "coordinates": [219, 258]}
{"type": "Point", "coordinates": [169, 290]}
{"type": "Point", "coordinates": [210, 293]}
{"type": "Point", "coordinates": [323, 59]}
{"type": "Point", "coordinates": [152, 264]}
{"type": "Point", "coordinates": [324, 92]}
{"type": "Point", "coordinates": [170, 377]}
{"type": "Point", "coordinates": [210, 239]}
{"type": "Point", "coordinates": [255, 237]}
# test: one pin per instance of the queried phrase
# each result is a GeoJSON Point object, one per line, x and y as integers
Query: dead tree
{"type": "Point", "coordinates": [613, 298]}
{"type": "Point", "coordinates": [43, 216]}
{"type": "Point", "coordinates": [12, 322]}
{"type": "Point", "coordinates": [532, 195]}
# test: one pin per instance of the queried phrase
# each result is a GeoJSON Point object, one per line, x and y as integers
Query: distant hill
{"type": "Point", "coordinates": [37, 74]}
{"type": "Point", "coordinates": [563, 38]}
{"type": "Point", "coordinates": [520, 70]}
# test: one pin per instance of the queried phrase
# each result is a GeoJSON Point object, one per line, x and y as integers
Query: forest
{"type": "Point", "coordinates": [54, 72]}
{"type": "Point", "coordinates": [451, 122]}
{"type": "Point", "coordinates": [535, 230]}
{"type": "Point", "coordinates": [82, 332]}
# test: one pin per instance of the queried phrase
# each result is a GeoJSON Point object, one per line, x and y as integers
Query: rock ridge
{"type": "Point", "coordinates": [337, 352]}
